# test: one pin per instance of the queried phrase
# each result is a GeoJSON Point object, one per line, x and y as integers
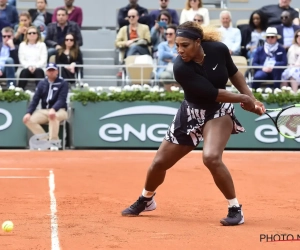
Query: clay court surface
{"type": "Point", "coordinates": [92, 187]}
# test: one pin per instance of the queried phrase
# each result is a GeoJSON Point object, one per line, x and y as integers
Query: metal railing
{"type": "Point", "coordinates": [126, 73]}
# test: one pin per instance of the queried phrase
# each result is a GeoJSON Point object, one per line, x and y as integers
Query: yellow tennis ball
{"type": "Point", "coordinates": [7, 226]}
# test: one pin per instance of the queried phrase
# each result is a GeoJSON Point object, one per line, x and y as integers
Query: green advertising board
{"type": "Point", "coordinates": [13, 133]}
{"type": "Point", "coordinates": [144, 124]}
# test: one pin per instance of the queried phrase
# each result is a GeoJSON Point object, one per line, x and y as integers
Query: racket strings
{"type": "Point", "coordinates": [289, 121]}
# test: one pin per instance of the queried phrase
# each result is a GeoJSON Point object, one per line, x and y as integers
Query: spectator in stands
{"type": "Point", "coordinates": [56, 32]}
{"type": "Point", "coordinates": [71, 55]}
{"type": "Point", "coordinates": [3, 24]}
{"type": "Point", "coordinates": [21, 28]}
{"type": "Point", "coordinates": [253, 35]}
{"type": "Point", "coordinates": [274, 11]}
{"type": "Point", "coordinates": [286, 30]}
{"type": "Point", "coordinates": [292, 74]}
{"type": "Point", "coordinates": [40, 17]}
{"type": "Point", "coordinates": [8, 14]}
{"type": "Point", "coordinates": [52, 92]}
{"type": "Point", "coordinates": [74, 12]}
{"type": "Point", "coordinates": [123, 19]}
{"type": "Point", "coordinates": [158, 30]}
{"type": "Point", "coordinates": [167, 53]}
{"type": "Point", "coordinates": [270, 55]}
{"type": "Point", "coordinates": [163, 6]}
{"type": "Point", "coordinates": [8, 55]}
{"type": "Point", "coordinates": [134, 39]}
{"type": "Point", "coordinates": [32, 56]}
{"type": "Point", "coordinates": [231, 37]}
{"type": "Point", "coordinates": [193, 7]}
{"type": "Point", "coordinates": [199, 19]}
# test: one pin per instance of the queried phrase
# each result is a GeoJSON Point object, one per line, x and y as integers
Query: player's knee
{"type": "Point", "coordinates": [212, 159]}
{"type": "Point", "coordinates": [158, 164]}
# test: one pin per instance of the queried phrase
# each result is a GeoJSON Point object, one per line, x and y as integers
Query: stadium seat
{"type": "Point", "coordinates": [52, 59]}
{"type": "Point", "coordinates": [215, 23]}
{"type": "Point", "coordinates": [242, 22]}
{"type": "Point", "coordinates": [136, 75]}
{"type": "Point", "coordinates": [239, 61]}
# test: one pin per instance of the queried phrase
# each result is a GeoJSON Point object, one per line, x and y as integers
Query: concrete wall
{"type": "Point", "coordinates": [102, 13]}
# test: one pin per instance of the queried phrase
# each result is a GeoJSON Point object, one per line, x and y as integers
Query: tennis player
{"type": "Point", "coordinates": [207, 113]}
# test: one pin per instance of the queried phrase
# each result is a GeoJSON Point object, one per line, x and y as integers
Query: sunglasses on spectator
{"type": "Point", "coordinates": [198, 20]}
{"type": "Point", "coordinates": [164, 1]}
{"type": "Point", "coordinates": [131, 16]}
{"type": "Point", "coordinates": [31, 33]}
{"type": "Point", "coordinates": [69, 39]}
{"type": "Point", "coordinates": [271, 37]}
{"type": "Point", "coordinates": [6, 36]}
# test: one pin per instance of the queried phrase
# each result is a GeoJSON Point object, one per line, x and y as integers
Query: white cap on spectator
{"type": "Point", "coordinates": [51, 66]}
{"type": "Point", "coordinates": [272, 31]}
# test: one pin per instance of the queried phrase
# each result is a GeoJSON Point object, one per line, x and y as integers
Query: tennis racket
{"type": "Point", "coordinates": [287, 120]}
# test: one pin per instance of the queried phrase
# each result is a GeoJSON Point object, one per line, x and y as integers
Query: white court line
{"type": "Point", "coordinates": [54, 226]}
{"type": "Point", "coordinates": [24, 177]}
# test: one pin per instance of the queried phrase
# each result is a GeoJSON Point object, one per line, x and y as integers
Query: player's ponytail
{"type": "Point", "coordinates": [211, 34]}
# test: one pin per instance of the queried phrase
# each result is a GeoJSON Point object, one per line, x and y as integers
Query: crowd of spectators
{"type": "Point", "coordinates": [37, 36]}
{"type": "Point", "coordinates": [270, 38]}
{"type": "Point", "coordinates": [32, 38]}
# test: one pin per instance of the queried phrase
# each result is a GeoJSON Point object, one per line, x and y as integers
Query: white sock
{"type": "Point", "coordinates": [147, 194]}
{"type": "Point", "coordinates": [233, 202]}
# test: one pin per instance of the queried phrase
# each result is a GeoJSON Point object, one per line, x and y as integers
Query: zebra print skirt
{"type": "Point", "coordinates": [187, 125]}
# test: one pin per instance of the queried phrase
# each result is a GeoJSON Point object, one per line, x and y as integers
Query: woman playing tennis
{"type": "Point", "coordinates": [202, 69]}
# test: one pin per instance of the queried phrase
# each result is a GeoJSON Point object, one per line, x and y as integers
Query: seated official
{"type": "Point", "coordinates": [53, 92]}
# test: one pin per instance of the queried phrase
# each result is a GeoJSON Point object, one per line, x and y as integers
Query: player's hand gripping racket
{"type": "Point", "coordinates": [287, 119]}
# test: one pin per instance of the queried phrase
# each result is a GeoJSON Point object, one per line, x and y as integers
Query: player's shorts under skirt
{"type": "Point", "coordinates": [187, 125]}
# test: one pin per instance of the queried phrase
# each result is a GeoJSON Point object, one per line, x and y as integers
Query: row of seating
{"type": "Point", "coordinates": [142, 70]}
